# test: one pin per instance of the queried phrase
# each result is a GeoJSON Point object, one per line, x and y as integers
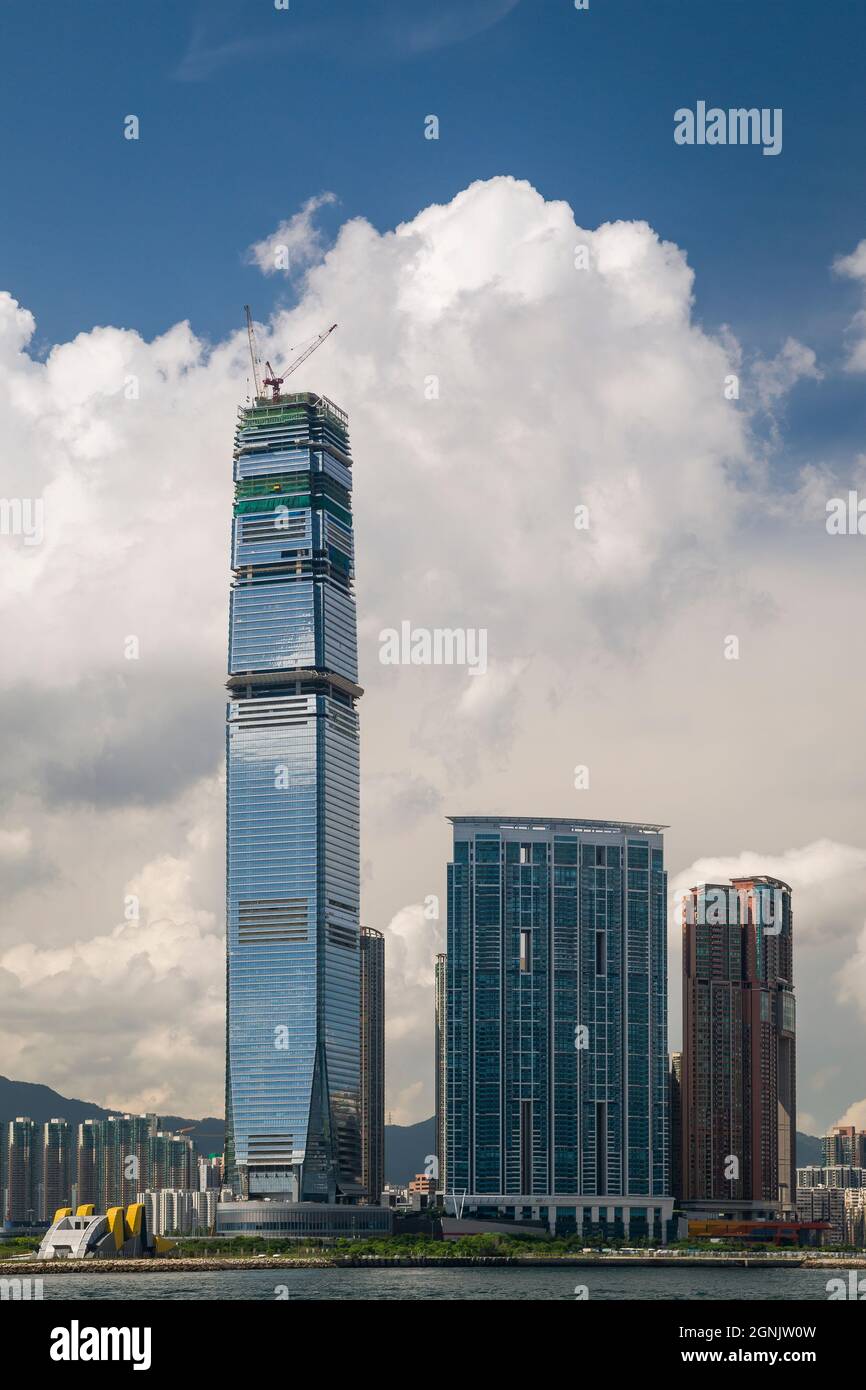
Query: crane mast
{"type": "Point", "coordinates": [251, 335]}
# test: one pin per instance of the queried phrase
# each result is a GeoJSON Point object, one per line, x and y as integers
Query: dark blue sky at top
{"type": "Point", "coordinates": [246, 111]}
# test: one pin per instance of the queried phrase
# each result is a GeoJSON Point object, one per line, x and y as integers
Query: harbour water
{"type": "Point", "coordinates": [389, 1285]}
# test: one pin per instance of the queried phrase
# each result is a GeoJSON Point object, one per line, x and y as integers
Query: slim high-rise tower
{"type": "Point", "coordinates": [675, 1082]}
{"type": "Point", "coordinates": [372, 1062]}
{"type": "Point", "coordinates": [738, 1080]}
{"type": "Point", "coordinates": [293, 986]}
{"type": "Point", "coordinates": [20, 1167]}
{"type": "Point", "coordinates": [440, 1067]}
{"type": "Point", "coordinates": [57, 1167]}
{"type": "Point", "coordinates": [86, 1187]}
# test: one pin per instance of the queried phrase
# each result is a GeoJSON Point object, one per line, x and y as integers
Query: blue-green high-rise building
{"type": "Point", "coordinates": [557, 1063]}
{"type": "Point", "coordinates": [293, 1030]}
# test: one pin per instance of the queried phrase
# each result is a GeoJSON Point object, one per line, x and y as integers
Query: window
{"type": "Point", "coordinates": [525, 1146]}
{"type": "Point", "coordinates": [601, 1150]}
{"type": "Point", "coordinates": [525, 952]}
{"type": "Point", "coordinates": [600, 953]}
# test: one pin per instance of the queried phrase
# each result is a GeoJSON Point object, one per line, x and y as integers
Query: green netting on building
{"type": "Point", "coordinates": [294, 501]}
{"type": "Point", "coordinates": [273, 482]}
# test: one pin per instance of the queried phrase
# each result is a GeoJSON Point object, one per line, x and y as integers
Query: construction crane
{"type": "Point", "coordinates": [254, 355]}
{"type": "Point", "coordinates": [275, 382]}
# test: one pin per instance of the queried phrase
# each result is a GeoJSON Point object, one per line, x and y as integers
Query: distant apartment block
{"type": "Point", "coordinates": [87, 1181]}
{"type": "Point", "coordinates": [20, 1170]}
{"type": "Point", "coordinates": [210, 1173]}
{"type": "Point", "coordinates": [171, 1162]}
{"type": "Point", "coordinates": [855, 1216]}
{"type": "Point", "coordinates": [180, 1212]}
{"type": "Point", "coordinates": [58, 1167]}
{"type": "Point", "coordinates": [832, 1175]}
{"type": "Point", "coordinates": [844, 1144]}
{"type": "Point", "coordinates": [834, 1193]}
{"type": "Point", "coordinates": [824, 1204]}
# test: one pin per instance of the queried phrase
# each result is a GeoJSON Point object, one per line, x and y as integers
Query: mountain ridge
{"type": "Point", "coordinates": [407, 1147]}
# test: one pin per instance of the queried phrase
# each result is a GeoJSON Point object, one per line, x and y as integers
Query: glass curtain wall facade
{"type": "Point", "coordinates": [557, 1063]}
{"type": "Point", "coordinates": [293, 981]}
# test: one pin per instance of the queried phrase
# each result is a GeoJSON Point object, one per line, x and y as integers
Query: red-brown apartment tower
{"type": "Point", "coordinates": [739, 1063]}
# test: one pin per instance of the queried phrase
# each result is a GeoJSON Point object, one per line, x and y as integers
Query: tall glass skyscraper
{"type": "Point", "coordinates": [557, 1070]}
{"type": "Point", "coordinates": [293, 1034]}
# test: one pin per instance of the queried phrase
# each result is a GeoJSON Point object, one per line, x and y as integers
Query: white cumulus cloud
{"type": "Point", "coordinates": [556, 387]}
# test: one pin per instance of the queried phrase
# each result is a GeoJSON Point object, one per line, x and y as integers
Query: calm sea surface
{"type": "Point", "coordinates": [423, 1284]}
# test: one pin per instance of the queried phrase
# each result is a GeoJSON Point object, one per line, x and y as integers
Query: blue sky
{"type": "Point", "coordinates": [246, 111]}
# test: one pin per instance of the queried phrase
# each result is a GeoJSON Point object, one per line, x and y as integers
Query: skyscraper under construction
{"type": "Point", "coordinates": [293, 1006]}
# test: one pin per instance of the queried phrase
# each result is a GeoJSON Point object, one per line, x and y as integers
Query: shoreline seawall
{"type": "Point", "coordinates": [211, 1263]}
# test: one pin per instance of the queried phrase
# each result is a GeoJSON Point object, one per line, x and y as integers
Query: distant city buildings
{"type": "Point", "coordinates": [844, 1144]}
{"type": "Point", "coordinates": [440, 1068]}
{"type": "Point", "coordinates": [826, 1204]}
{"type": "Point", "coordinates": [43, 1168]}
{"type": "Point", "coordinates": [372, 1062]}
{"type": "Point", "coordinates": [393, 1196]}
{"type": "Point", "coordinates": [831, 1175]}
{"type": "Point", "coordinates": [835, 1193]}
{"type": "Point", "coordinates": [210, 1173]}
{"type": "Point", "coordinates": [557, 1063]}
{"type": "Point", "coordinates": [180, 1212]}
{"type": "Point", "coordinates": [424, 1183]}
{"type": "Point", "coordinates": [113, 1159]}
{"type": "Point", "coordinates": [738, 1068]}
{"type": "Point", "coordinates": [121, 1155]}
